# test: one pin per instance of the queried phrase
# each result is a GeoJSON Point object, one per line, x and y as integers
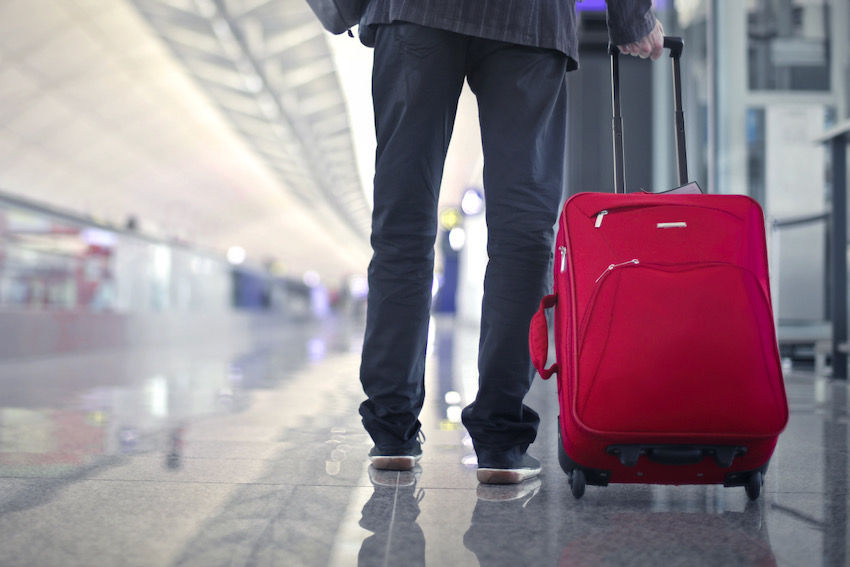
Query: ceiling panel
{"type": "Point", "coordinates": [27, 23]}
{"type": "Point", "coordinates": [16, 90]}
{"type": "Point", "coordinates": [104, 111]}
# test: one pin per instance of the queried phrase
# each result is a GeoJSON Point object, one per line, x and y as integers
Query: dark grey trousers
{"type": "Point", "coordinates": [521, 91]}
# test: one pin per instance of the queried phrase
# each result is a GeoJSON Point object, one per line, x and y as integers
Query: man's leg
{"type": "Point", "coordinates": [417, 78]}
{"type": "Point", "coordinates": [522, 107]}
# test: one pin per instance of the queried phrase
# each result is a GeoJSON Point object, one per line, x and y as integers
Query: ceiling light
{"type": "Point", "coordinates": [472, 202]}
{"type": "Point", "coordinates": [457, 238]}
{"type": "Point", "coordinates": [236, 255]}
{"type": "Point", "coordinates": [311, 278]}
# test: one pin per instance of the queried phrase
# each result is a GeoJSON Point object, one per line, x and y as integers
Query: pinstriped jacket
{"type": "Point", "coordinates": [549, 24]}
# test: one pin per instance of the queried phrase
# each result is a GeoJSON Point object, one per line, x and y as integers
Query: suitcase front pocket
{"type": "Point", "coordinates": [678, 349]}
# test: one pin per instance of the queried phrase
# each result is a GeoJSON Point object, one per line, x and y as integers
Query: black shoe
{"type": "Point", "coordinates": [395, 460]}
{"type": "Point", "coordinates": [528, 467]}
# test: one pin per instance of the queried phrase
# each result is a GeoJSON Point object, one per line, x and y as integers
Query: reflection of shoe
{"type": "Point", "coordinates": [509, 492]}
{"type": "Point", "coordinates": [395, 460]}
{"type": "Point", "coordinates": [527, 468]}
{"type": "Point", "coordinates": [394, 478]}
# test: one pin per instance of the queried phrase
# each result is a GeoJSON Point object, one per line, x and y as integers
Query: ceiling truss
{"type": "Point", "coordinates": [268, 67]}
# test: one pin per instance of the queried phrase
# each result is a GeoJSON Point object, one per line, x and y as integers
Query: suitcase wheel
{"type": "Point", "coordinates": [577, 483]}
{"type": "Point", "coordinates": [753, 486]}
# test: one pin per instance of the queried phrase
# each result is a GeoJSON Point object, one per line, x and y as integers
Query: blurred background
{"type": "Point", "coordinates": [204, 157]}
{"type": "Point", "coordinates": [180, 169]}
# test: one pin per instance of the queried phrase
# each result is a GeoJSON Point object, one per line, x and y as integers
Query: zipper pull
{"type": "Point", "coordinates": [612, 266]}
{"type": "Point", "coordinates": [599, 218]}
{"type": "Point", "coordinates": [563, 251]}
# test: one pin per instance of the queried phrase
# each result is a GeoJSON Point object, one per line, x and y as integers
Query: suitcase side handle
{"type": "Point", "coordinates": [676, 45]}
{"type": "Point", "coordinates": [538, 338]}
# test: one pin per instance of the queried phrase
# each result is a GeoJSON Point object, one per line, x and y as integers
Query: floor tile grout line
{"type": "Point", "coordinates": [223, 482]}
{"type": "Point", "coordinates": [392, 521]}
{"type": "Point", "coordinates": [305, 485]}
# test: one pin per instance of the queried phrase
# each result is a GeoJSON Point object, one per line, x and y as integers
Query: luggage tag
{"type": "Point", "coordinates": [690, 189]}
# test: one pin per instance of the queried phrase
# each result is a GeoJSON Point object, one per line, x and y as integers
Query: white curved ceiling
{"type": "Point", "coordinates": [98, 117]}
{"type": "Point", "coordinates": [217, 122]}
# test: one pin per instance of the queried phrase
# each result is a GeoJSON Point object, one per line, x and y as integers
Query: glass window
{"type": "Point", "coordinates": [58, 263]}
{"type": "Point", "coordinates": [787, 45]}
{"type": "Point", "coordinates": [38, 262]}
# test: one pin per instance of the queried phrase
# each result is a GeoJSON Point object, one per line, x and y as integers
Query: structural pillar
{"type": "Point", "coordinates": [837, 140]}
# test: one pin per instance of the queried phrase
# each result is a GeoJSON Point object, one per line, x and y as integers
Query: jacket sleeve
{"type": "Point", "coordinates": [629, 20]}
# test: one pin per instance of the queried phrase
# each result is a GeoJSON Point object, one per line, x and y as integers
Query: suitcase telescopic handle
{"type": "Point", "coordinates": [676, 45]}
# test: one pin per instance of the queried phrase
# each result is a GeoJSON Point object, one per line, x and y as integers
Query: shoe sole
{"type": "Point", "coordinates": [505, 476]}
{"type": "Point", "coordinates": [394, 463]}
{"type": "Point", "coordinates": [508, 492]}
{"type": "Point", "coordinates": [392, 479]}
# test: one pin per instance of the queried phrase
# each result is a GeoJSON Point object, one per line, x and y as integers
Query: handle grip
{"type": "Point", "coordinates": [724, 455]}
{"type": "Point", "coordinates": [675, 456]}
{"type": "Point", "coordinates": [538, 338]}
{"type": "Point", "coordinates": [676, 45]}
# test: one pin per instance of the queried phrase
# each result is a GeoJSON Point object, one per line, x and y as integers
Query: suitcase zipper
{"type": "Point", "coordinates": [563, 251]}
{"type": "Point", "coordinates": [586, 318]}
{"type": "Point", "coordinates": [630, 207]}
{"type": "Point", "coordinates": [614, 266]}
{"type": "Point", "coordinates": [599, 218]}
{"type": "Point", "coordinates": [619, 209]}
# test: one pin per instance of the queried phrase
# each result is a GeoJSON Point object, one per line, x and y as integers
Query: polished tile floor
{"type": "Point", "coordinates": [249, 451]}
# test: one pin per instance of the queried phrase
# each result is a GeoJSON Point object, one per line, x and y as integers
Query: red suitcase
{"type": "Point", "coordinates": [666, 355]}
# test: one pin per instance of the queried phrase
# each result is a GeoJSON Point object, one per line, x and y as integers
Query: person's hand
{"type": "Point", "coordinates": [651, 45]}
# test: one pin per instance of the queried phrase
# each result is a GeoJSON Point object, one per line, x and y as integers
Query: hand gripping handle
{"type": "Point", "coordinates": [538, 338]}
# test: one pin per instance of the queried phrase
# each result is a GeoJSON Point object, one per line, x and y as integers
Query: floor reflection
{"type": "Point", "coordinates": [174, 453]}
{"type": "Point", "coordinates": [53, 439]}
{"type": "Point", "coordinates": [390, 515]}
{"type": "Point", "coordinates": [730, 538]}
{"type": "Point", "coordinates": [503, 531]}
{"type": "Point", "coordinates": [69, 411]}
{"type": "Point", "coordinates": [256, 450]}
{"type": "Point", "coordinates": [837, 444]}
{"type": "Point", "coordinates": [528, 525]}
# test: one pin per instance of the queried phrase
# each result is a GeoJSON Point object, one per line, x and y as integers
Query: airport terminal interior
{"type": "Point", "coordinates": [185, 197]}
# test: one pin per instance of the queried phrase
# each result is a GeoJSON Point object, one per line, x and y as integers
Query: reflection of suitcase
{"type": "Point", "coordinates": [670, 538]}
{"type": "Point", "coordinates": [668, 368]}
